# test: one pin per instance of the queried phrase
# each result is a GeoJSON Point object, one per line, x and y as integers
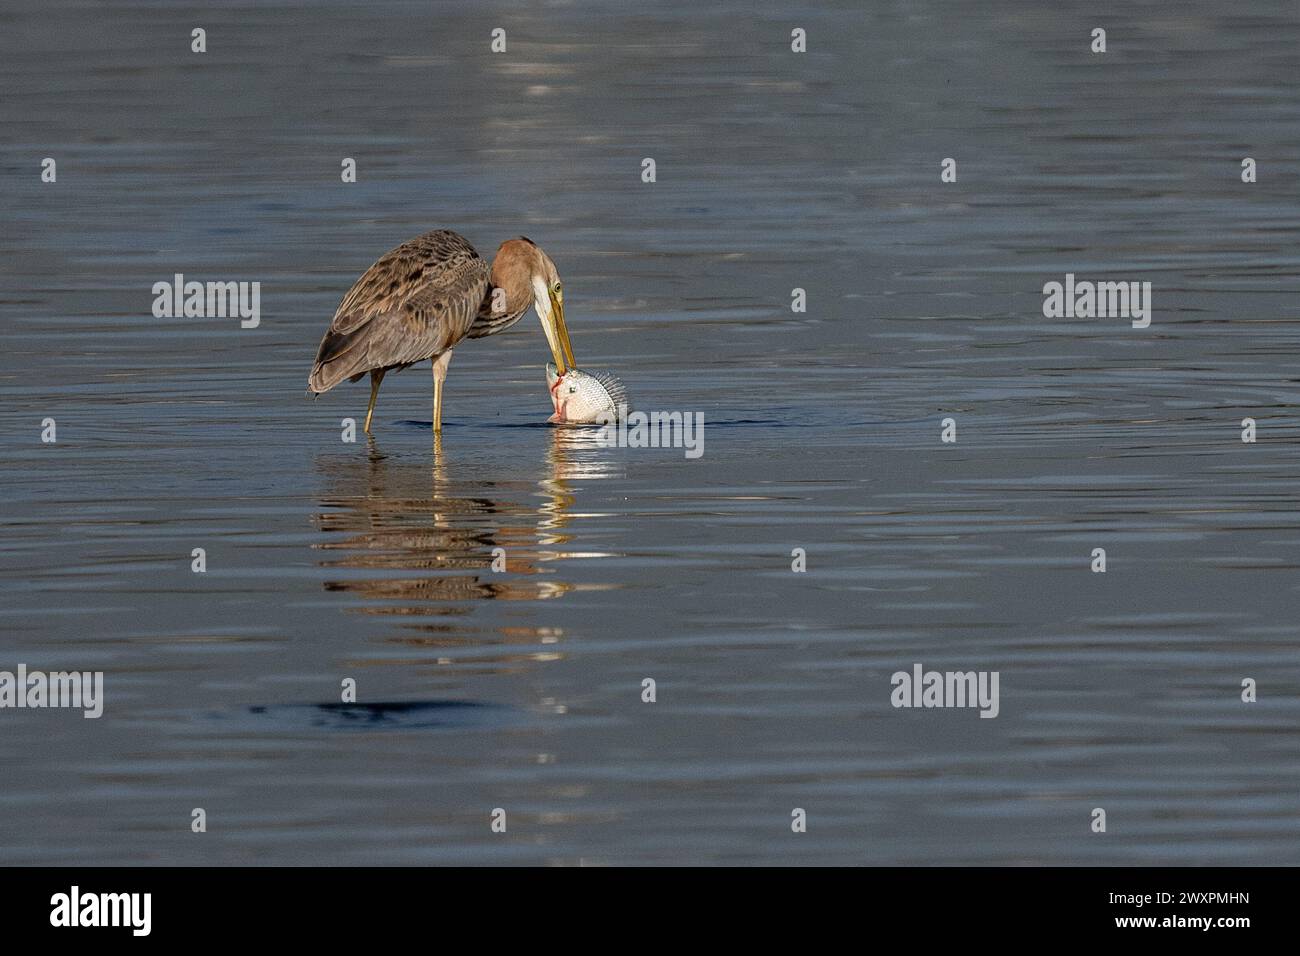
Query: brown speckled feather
{"type": "Point", "coordinates": [417, 301]}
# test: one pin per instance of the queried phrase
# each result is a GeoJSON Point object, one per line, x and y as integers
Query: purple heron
{"type": "Point", "coordinates": [420, 300]}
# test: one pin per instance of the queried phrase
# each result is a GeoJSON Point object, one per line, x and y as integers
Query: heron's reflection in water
{"type": "Point", "coordinates": [419, 541]}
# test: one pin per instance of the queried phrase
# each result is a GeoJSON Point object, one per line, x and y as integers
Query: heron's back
{"type": "Point", "coordinates": [415, 302]}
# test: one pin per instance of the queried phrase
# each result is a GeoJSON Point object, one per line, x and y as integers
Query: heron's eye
{"type": "Point", "coordinates": [557, 289]}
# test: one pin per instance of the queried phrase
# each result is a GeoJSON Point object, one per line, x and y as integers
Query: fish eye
{"type": "Point", "coordinates": [572, 389]}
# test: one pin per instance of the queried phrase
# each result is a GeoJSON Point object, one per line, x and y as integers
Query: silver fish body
{"type": "Point", "coordinates": [585, 397]}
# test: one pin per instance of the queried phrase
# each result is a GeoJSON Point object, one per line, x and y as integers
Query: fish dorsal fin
{"type": "Point", "coordinates": [617, 393]}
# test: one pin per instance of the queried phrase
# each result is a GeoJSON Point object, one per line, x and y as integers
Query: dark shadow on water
{"type": "Point", "coordinates": [449, 426]}
{"type": "Point", "coordinates": [386, 715]}
{"type": "Point", "coordinates": [711, 423]}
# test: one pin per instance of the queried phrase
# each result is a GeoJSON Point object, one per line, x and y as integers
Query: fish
{"type": "Point", "coordinates": [585, 396]}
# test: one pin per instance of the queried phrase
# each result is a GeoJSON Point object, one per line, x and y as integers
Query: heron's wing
{"type": "Point", "coordinates": [417, 301]}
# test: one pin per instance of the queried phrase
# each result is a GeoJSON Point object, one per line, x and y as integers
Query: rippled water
{"type": "Point", "coordinates": [522, 690]}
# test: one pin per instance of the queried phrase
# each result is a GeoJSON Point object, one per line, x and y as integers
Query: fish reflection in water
{"type": "Point", "coordinates": [386, 514]}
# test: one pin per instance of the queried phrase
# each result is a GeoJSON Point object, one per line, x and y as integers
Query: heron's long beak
{"type": "Point", "coordinates": [557, 336]}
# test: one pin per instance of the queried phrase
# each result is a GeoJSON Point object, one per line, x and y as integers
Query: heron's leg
{"type": "Point", "coordinates": [440, 363]}
{"type": "Point", "coordinates": [376, 377]}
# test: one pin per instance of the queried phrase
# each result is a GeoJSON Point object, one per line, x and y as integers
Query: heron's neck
{"type": "Point", "coordinates": [492, 318]}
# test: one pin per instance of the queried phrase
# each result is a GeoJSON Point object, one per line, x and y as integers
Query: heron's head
{"type": "Point", "coordinates": [525, 271]}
